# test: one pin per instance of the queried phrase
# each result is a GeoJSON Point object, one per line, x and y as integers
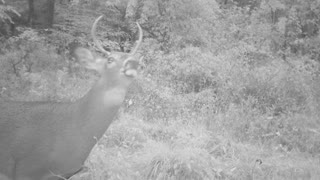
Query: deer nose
{"type": "Point", "coordinates": [130, 68]}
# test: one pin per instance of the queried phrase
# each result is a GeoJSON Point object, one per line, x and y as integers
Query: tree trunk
{"type": "Point", "coordinates": [43, 13]}
{"type": "Point", "coordinates": [38, 13]}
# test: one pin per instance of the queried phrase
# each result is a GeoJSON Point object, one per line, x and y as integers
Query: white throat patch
{"type": "Point", "coordinates": [114, 96]}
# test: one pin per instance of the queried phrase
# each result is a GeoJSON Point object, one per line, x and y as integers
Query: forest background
{"type": "Point", "coordinates": [227, 89]}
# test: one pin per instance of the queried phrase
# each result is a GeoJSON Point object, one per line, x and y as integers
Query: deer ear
{"type": "Point", "coordinates": [88, 59]}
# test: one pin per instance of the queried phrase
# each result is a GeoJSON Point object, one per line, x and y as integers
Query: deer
{"type": "Point", "coordinates": [52, 140]}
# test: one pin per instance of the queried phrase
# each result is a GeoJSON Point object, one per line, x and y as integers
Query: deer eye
{"type": "Point", "coordinates": [111, 59]}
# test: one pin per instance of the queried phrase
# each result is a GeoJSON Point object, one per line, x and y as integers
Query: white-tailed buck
{"type": "Point", "coordinates": [51, 140]}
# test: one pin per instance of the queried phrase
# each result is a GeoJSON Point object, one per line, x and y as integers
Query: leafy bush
{"type": "Point", "coordinates": [6, 12]}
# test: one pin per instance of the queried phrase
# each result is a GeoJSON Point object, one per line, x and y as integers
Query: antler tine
{"type": "Point", "coordinates": [95, 40]}
{"type": "Point", "coordinates": [139, 40]}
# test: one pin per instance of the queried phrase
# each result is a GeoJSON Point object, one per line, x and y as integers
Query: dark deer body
{"type": "Point", "coordinates": [48, 140]}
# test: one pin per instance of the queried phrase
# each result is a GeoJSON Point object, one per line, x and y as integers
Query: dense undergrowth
{"type": "Point", "coordinates": [225, 110]}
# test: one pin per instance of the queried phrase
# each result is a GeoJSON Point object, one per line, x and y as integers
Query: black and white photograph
{"type": "Point", "coordinates": [159, 89]}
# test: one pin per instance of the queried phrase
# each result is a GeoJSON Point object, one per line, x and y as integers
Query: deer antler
{"type": "Point", "coordinates": [139, 40]}
{"type": "Point", "coordinates": [94, 37]}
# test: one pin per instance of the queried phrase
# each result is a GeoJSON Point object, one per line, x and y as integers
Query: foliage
{"type": "Point", "coordinates": [179, 23]}
{"type": "Point", "coordinates": [36, 63]}
{"type": "Point", "coordinates": [6, 14]}
{"type": "Point", "coordinates": [5, 11]}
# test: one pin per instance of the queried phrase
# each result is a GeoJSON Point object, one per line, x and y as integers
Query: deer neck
{"type": "Point", "coordinates": [98, 107]}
